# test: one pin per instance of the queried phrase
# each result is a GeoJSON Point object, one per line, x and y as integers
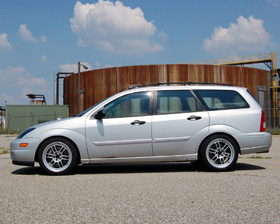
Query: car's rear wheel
{"type": "Point", "coordinates": [57, 156]}
{"type": "Point", "coordinates": [218, 153]}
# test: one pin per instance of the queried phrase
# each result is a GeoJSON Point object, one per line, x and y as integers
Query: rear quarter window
{"type": "Point", "coordinates": [221, 99]}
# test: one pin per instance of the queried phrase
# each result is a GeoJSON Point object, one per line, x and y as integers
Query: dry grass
{"type": "Point", "coordinates": [4, 151]}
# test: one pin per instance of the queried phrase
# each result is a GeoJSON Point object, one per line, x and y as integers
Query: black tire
{"type": "Point", "coordinates": [218, 153]}
{"type": "Point", "coordinates": [57, 156]}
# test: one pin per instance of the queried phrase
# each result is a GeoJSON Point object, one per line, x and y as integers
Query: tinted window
{"type": "Point", "coordinates": [180, 101]}
{"type": "Point", "coordinates": [221, 99]}
{"type": "Point", "coordinates": [136, 104]}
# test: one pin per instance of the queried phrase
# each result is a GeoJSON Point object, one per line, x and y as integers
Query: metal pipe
{"type": "Point", "coordinates": [57, 89]}
{"type": "Point", "coordinates": [79, 87]}
{"type": "Point", "coordinates": [58, 76]}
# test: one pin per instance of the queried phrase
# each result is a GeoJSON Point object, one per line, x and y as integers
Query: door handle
{"type": "Point", "coordinates": [194, 118]}
{"type": "Point", "coordinates": [137, 122]}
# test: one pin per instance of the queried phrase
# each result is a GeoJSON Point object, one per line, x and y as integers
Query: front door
{"type": "Point", "coordinates": [125, 131]}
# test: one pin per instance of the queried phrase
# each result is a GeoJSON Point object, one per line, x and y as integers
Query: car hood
{"type": "Point", "coordinates": [56, 123]}
{"type": "Point", "coordinates": [74, 123]}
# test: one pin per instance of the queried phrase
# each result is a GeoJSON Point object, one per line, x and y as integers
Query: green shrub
{"type": "Point", "coordinates": [273, 131]}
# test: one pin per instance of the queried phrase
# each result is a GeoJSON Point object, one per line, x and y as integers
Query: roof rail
{"type": "Point", "coordinates": [177, 83]}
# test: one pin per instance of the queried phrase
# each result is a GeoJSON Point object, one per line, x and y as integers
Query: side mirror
{"type": "Point", "coordinates": [100, 115]}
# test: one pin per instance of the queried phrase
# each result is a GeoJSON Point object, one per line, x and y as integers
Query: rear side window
{"type": "Point", "coordinates": [221, 99]}
{"type": "Point", "coordinates": [178, 101]}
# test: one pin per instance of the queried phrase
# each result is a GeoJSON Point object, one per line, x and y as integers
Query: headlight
{"type": "Point", "coordinates": [25, 132]}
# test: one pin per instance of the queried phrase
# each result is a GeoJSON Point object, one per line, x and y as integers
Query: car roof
{"type": "Point", "coordinates": [185, 87]}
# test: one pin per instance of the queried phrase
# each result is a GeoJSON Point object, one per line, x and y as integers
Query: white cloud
{"type": "Point", "coordinates": [113, 27]}
{"type": "Point", "coordinates": [4, 43]}
{"type": "Point", "coordinates": [43, 38]}
{"type": "Point", "coordinates": [162, 36]}
{"type": "Point", "coordinates": [11, 74]}
{"type": "Point", "coordinates": [7, 99]}
{"type": "Point", "coordinates": [44, 58]}
{"type": "Point", "coordinates": [20, 77]}
{"type": "Point", "coordinates": [247, 35]}
{"type": "Point", "coordinates": [274, 2]}
{"type": "Point", "coordinates": [26, 91]}
{"type": "Point", "coordinates": [98, 65]}
{"type": "Point", "coordinates": [32, 81]}
{"type": "Point", "coordinates": [22, 82]}
{"type": "Point", "coordinates": [74, 67]}
{"type": "Point", "coordinates": [26, 34]}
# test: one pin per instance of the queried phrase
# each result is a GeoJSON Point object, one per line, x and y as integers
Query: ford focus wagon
{"type": "Point", "coordinates": [210, 124]}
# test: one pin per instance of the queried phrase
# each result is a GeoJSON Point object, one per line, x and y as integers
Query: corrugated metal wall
{"type": "Point", "coordinates": [20, 117]}
{"type": "Point", "coordinates": [97, 85]}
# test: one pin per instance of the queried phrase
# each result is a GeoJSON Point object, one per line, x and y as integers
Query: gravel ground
{"type": "Point", "coordinates": [149, 193]}
{"type": "Point", "coordinates": [5, 142]}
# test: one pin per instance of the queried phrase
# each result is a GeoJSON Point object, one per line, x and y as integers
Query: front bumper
{"type": "Point", "coordinates": [259, 142]}
{"type": "Point", "coordinates": [23, 163]}
{"type": "Point", "coordinates": [24, 156]}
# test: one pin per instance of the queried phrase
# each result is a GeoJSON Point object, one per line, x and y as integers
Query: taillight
{"type": "Point", "coordinates": [262, 128]}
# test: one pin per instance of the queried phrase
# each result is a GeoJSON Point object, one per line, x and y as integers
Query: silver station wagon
{"type": "Point", "coordinates": [210, 124]}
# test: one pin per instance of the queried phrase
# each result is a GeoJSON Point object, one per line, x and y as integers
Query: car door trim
{"type": "Point", "coordinates": [122, 142]}
{"type": "Point", "coordinates": [172, 139]}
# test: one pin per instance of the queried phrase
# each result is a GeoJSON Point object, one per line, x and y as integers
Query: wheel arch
{"type": "Point", "coordinates": [58, 136]}
{"type": "Point", "coordinates": [218, 133]}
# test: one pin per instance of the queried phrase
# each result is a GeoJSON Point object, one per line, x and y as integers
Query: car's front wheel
{"type": "Point", "coordinates": [218, 153]}
{"type": "Point", "coordinates": [57, 156]}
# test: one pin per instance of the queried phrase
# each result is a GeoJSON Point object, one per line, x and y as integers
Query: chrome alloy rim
{"type": "Point", "coordinates": [57, 156]}
{"type": "Point", "coordinates": [220, 153]}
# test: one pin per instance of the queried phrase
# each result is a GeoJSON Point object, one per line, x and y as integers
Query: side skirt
{"type": "Point", "coordinates": [149, 159]}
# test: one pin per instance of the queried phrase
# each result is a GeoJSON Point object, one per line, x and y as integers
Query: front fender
{"type": "Point", "coordinates": [76, 137]}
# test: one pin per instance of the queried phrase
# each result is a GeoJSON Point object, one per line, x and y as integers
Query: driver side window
{"type": "Point", "coordinates": [136, 104]}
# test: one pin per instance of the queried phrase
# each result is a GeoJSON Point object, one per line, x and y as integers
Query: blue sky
{"type": "Point", "coordinates": [39, 38]}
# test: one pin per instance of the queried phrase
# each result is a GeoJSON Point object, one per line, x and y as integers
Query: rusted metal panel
{"type": "Point", "coordinates": [102, 83]}
{"type": "Point", "coordinates": [70, 96]}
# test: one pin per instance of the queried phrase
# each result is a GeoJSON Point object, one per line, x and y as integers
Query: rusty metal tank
{"type": "Point", "coordinates": [99, 84]}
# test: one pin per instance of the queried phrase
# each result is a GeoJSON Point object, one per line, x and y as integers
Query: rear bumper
{"type": "Point", "coordinates": [259, 142]}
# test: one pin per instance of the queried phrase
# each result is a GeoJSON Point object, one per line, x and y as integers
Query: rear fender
{"type": "Point", "coordinates": [221, 129]}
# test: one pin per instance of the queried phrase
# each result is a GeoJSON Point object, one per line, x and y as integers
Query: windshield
{"type": "Point", "coordinates": [95, 105]}
{"type": "Point", "coordinates": [84, 112]}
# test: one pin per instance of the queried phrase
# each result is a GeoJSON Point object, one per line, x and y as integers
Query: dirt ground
{"type": "Point", "coordinates": [5, 142]}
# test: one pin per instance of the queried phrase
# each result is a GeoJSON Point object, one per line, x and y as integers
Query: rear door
{"type": "Point", "coordinates": [178, 123]}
